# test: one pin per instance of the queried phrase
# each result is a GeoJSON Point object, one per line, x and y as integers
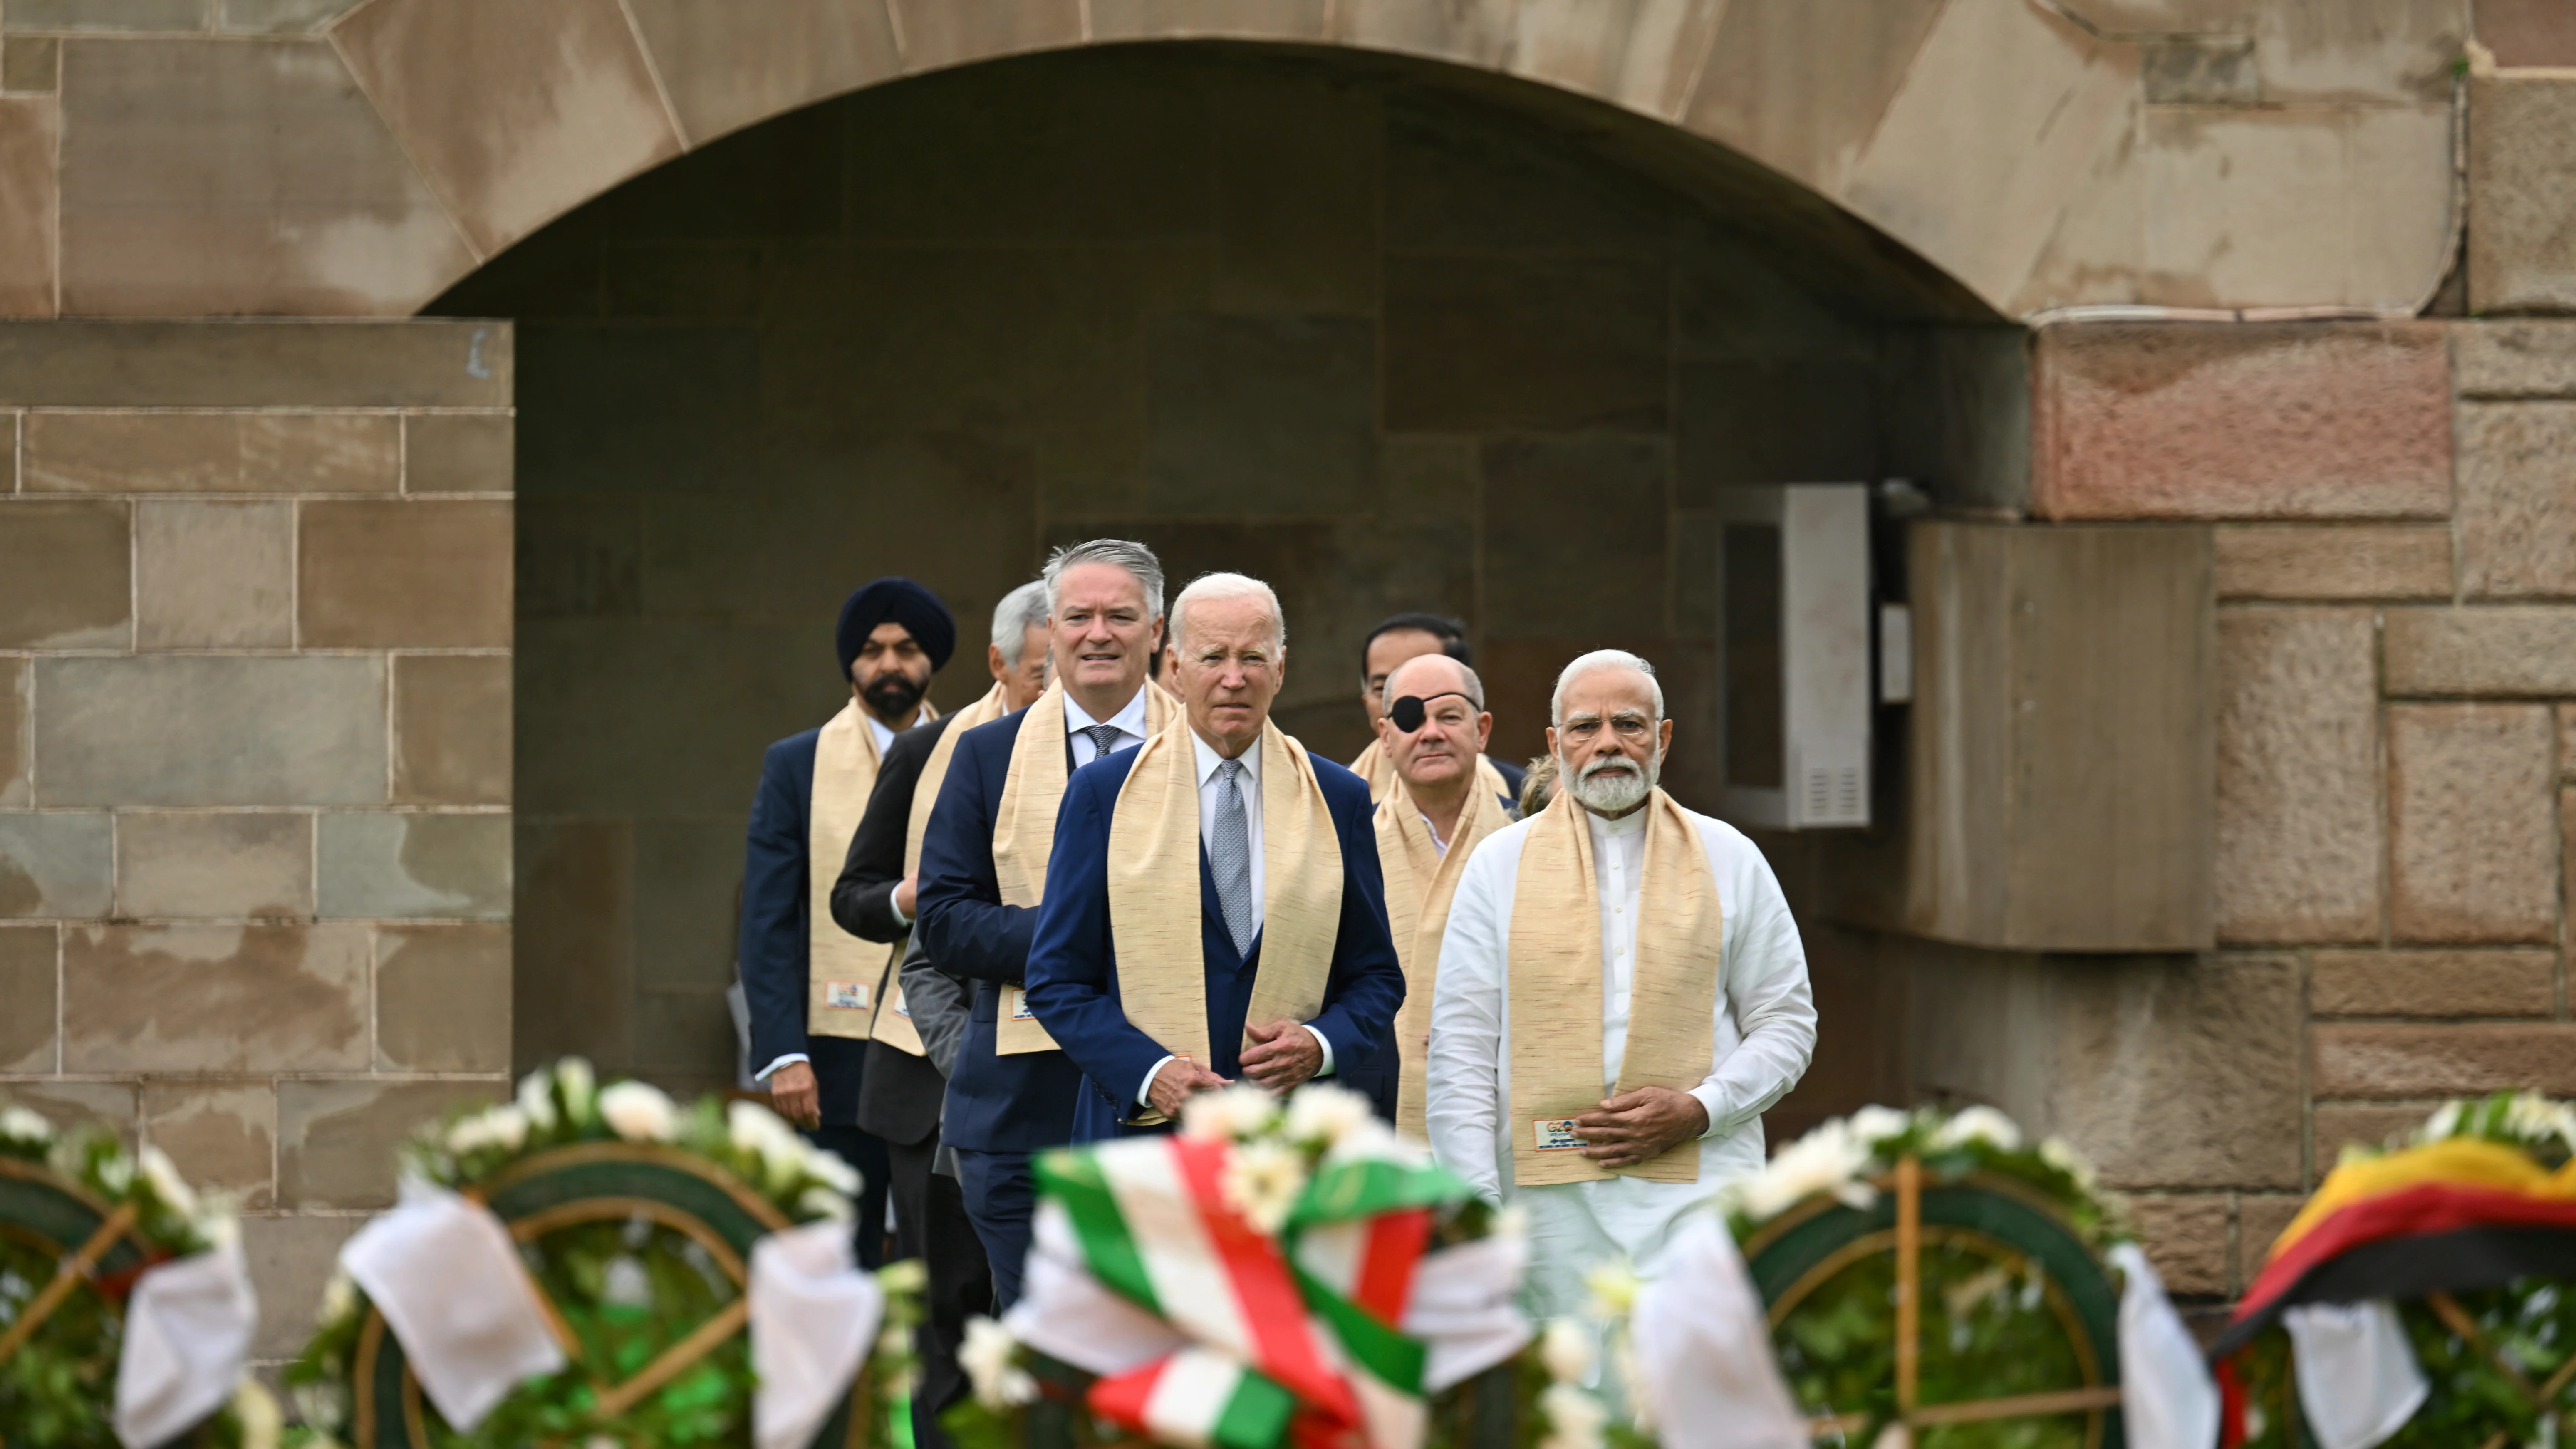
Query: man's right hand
{"type": "Point", "coordinates": [795, 1095]}
{"type": "Point", "coordinates": [1178, 1081]}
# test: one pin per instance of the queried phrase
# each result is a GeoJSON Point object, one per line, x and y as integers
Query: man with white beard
{"type": "Point", "coordinates": [1621, 994]}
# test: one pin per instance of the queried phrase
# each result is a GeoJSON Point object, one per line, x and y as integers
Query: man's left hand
{"type": "Point", "coordinates": [1633, 1126]}
{"type": "Point", "coordinates": [1283, 1056]}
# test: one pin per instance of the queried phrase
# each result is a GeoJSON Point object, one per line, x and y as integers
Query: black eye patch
{"type": "Point", "coordinates": [1410, 711]}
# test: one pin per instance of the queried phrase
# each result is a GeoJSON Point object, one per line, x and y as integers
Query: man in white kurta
{"type": "Point", "coordinates": [1764, 1027]}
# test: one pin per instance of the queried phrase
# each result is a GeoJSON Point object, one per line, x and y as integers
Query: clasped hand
{"type": "Point", "coordinates": [1283, 1056]}
{"type": "Point", "coordinates": [1629, 1128]}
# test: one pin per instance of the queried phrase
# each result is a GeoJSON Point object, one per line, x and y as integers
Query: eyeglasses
{"type": "Point", "coordinates": [1409, 712]}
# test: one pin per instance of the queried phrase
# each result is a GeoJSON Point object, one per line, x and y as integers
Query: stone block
{"type": "Point", "coordinates": [451, 729]}
{"type": "Point", "coordinates": [2299, 832]}
{"type": "Point", "coordinates": [237, 179]}
{"type": "Point", "coordinates": [443, 999]}
{"type": "Point", "coordinates": [211, 730]}
{"type": "Point", "coordinates": [269, 998]}
{"type": "Point", "coordinates": [68, 568]}
{"type": "Point", "coordinates": [515, 113]}
{"type": "Point", "coordinates": [429, 574]}
{"type": "Point", "coordinates": [1261, 415]}
{"type": "Point", "coordinates": [223, 1137]}
{"type": "Point", "coordinates": [2521, 223]}
{"type": "Point", "coordinates": [2566, 745]}
{"type": "Point", "coordinates": [2433, 983]}
{"type": "Point", "coordinates": [213, 575]}
{"type": "Point", "coordinates": [1458, 185]}
{"type": "Point", "coordinates": [2517, 509]}
{"type": "Point", "coordinates": [583, 557]}
{"type": "Point", "coordinates": [384, 865]}
{"type": "Point", "coordinates": [227, 865]}
{"type": "Point", "coordinates": [686, 872]}
{"type": "Point", "coordinates": [2260, 1221]}
{"type": "Point", "coordinates": [2333, 561]}
{"type": "Point", "coordinates": [1500, 342]}
{"type": "Point", "coordinates": [1802, 85]}
{"type": "Point", "coordinates": [722, 73]}
{"type": "Point", "coordinates": [685, 1036]}
{"type": "Point", "coordinates": [1641, 56]}
{"type": "Point", "coordinates": [575, 913]}
{"type": "Point", "coordinates": [2345, 1124]}
{"type": "Point", "coordinates": [32, 63]}
{"type": "Point", "coordinates": [219, 363]}
{"type": "Point", "coordinates": [27, 976]}
{"type": "Point", "coordinates": [278, 17]}
{"type": "Point", "coordinates": [30, 129]}
{"type": "Point", "coordinates": [2242, 420]}
{"type": "Point", "coordinates": [109, 16]}
{"type": "Point", "coordinates": [2471, 831]}
{"type": "Point", "coordinates": [72, 1106]}
{"type": "Point", "coordinates": [2197, 70]}
{"type": "Point", "coordinates": [2506, 359]}
{"type": "Point", "coordinates": [182, 452]}
{"type": "Point", "coordinates": [14, 784]}
{"type": "Point", "coordinates": [1775, 420]}
{"type": "Point", "coordinates": [55, 864]}
{"type": "Point", "coordinates": [2357, 1059]}
{"type": "Point", "coordinates": [2186, 1237]}
{"type": "Point", "coordinates": [1549, 500]}
{"type": "Point", "coordinates": [336, 1141]}
{"type": "Point", "coordinates": [1190, 19]}
{"type": "Point", "coordinates": [1306, 239]}
{"type": "Point", "coordinates": [291, 1260]}
{"type": "Point", "coordinates": [1471, 32]}
{"type": "Point", "coordinates": [939, 33]}
{"type": "Point", "coordinates": [459, 453]}
{"type": "Point", "coordinates": [2527, 33]}
{"type": "Point", "coordinates": [2508, 650]}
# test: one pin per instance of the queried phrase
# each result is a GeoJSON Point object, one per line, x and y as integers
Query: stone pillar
{"type": "Point", "coordinates": [255, 628]}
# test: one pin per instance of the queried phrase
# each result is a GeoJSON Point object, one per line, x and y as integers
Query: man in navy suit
{"type": "Point", "coordinates": [1232, 642]}
{"type": "Point", "coordinates": [1105, 620]}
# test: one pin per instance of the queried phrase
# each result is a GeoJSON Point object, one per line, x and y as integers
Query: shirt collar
{"type": "Point", "coordinates": [1131, 719]}
{"type": "Point", "coordinates": [1605, 828]}
{"type": "Point", "coordinates": [1209, 759]}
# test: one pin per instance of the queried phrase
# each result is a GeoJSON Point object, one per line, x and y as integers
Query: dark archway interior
{"type": "Point", "coordinates": [1390, 335]}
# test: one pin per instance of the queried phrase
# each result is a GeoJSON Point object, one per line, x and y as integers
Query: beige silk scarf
{"type": "Point", "coordinates": [894, 1023]}
{"type": "Point", "coordinates": [1555, 969]}
{"type": "Point", "coordinates": [1374, 767]}
{"type": "Point", "coordinates": [1419, 883]}
{"type": "Point", "coordinates": [841, 979]}
{"type": "Point", "coordinates": [1024, 834]}
{"type": "Point", "coordinates": [1154, 901]}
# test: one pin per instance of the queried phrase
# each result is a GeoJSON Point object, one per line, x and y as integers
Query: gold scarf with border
{"type": "Point", "coordinates": [1555, 979]}
{"type": "Point", "coordinates": [1420, 880]}
{"type": "Point", "coordinates": [1374, 767]}
{"type": "Point", "coordinates": [1024, 834]}
{"type": "Point", "coordinates": [894, 1023]}
{"type": "Point", "coordinates": [840, 981]}
{"type": "Point", "coordinates": [1155, 906]}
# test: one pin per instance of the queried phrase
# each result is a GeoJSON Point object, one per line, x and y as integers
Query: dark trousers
{"type": "Point", "coordinates": [862, 1150]}
{"type": "Point", "coordinates": [930, 1223]}
{"type": "Point", "coordinates": [1001, 1196]}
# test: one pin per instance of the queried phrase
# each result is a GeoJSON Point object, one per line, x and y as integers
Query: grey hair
{"type": "Point", "coordinates": [1207, 588]}
{"type": "Point", "coordinates": [1021, 610]}
{"type": "Point", "coordinates": [1475, 686]}
{"type": "Point", "coordinates": [1135, 558]}
{"type": "Point", "coordinates": [1601, 659]}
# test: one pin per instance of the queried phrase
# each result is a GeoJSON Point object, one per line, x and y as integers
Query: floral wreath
{"type": "Point", "coordinates": [624, 1291]}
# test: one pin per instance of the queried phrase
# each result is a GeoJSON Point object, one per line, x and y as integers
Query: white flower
{"type": "Point", "coordinates": [990, 1356]}
{"type": "Point", "coordinates": [1566, 1349]}
{"type": "Point", "coordinates": [822, 1202]}
{"type": "Point", "coordinates": [640, 1112]}
{"type": "Point", "coordinates": [262, 1422]}
{"type": "Point", "coordinates": [1893, 1436]}
{"type": "Point", "coordinates": [1240, 1111]}
{"type": "Point", "coordinates": [323, 1406]}
{"type": "Point", "coordinates": [904, 1275]}
{"type": "Point", "coordinates": [2056, 1153]}
{"type": "Point", "coordinates": [504, 1127]}
{"type": "Point", "coordinates": [2444, 1123]}
{"type": "Point", "coordinates": [754, 1128]}
{"type": "Point", "coordinates": [1574, 1418]}
{"type": "Point", "coordinates": [116, 1174]}
{"type": "Point", "coordinates": [162, 1175]}
{"type": "Point", "coordinates": [1978, 1124]}
{"type": "Point", "coordinates": [2535, 1119]}
{"type": "Point", "coordinates": [1828, 1159]}
{"type": "Point", "coordinates": [20, 1125]}
{"type": "Point", "coordinates": [1263, 1180]}
{"type": "Point", "coordinates": [537, 1099]}
{"type": "Point", "coordinates": [580, 1088]}
{"type": "Point", "coordinates": [1877, 1124]}
{"type": "Point", "coordinates": [828, 1169]}
{"type": "Point", "coordinates": [1613, 1287]}
{"type": "Point", "coordinates": [339, 1297]}
{"type": "Point", "coordinates": [1321, 1114]}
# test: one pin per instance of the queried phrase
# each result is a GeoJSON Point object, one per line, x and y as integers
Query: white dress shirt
{"type": "Point", "coordinates": [1764, 1033]}
{"type": "Point", "coordinates": [1129, 722]}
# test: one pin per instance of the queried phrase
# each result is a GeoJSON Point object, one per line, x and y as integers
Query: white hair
{"type": "Point", "coordinates": [1021, 610]}
{"type": "Point", "coordinates": [1207, 588]}
{"type": "Point", "coordinates": [1386, 694]}
{"type": "Point", "coordinates": [1135, 558]}
{"type": "Point", "coordinates": [1601, 659]}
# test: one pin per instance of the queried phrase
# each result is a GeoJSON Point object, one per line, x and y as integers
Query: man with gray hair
{"type": "Point", "coordinates": [1621, 994]}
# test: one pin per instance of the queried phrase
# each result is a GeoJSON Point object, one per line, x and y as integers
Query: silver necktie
{"type": "Point", "coordinates": [1230, 856]}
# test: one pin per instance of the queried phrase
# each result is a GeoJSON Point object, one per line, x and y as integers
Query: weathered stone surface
{"type": "Point", "coordinates": [215, 998]}
{"type": "Point", "coordinates": [2525, 33]}
{"type": "Point", "coordinates": [947, 32]}
{"type": "Point", "coordinates": [2510, 650]}
{"type": "Point", "coordinates": [1640, 55]}
{"type": "Point", "coordinates": [213, 575]}
{"type": "Point", "coordinates": [724, 70]}
{"type": "Point", "coordinates": [415, 866]}
{"type": "Point", "coordinates": [434, 574]}
{"type": "Point", "coordinates": [2388, 1060]}
{"type": "Point", "coordinates": [2299, 833]}
{"type": "Point", "coordinates": [223, 1137]}
{"type": "Point", "coordinates": [71, 1106]}
{"type": "Point", "coordinates": [2259, 1222]}
{"type": "Point", "coordinates": [576, 913]}
{"type": "Point", "coordinates": [2522, 224]}
{"type": "Point", "coordinates": [29, 193]}
{"type": "Point", "coordinates": [265, 731]}
{"type": "Point", "coordinates": [2186, 1236]}
{"type": "Point", "coordinates": [458, 453]}
{"type": "Point", "coordinates": [67, 571]}
{"type": "Point", "coordinates": [1264, 414]}
{"type": "Point", "coordinates": [685, 1036]}
{"type": "Point", "coordinates": [2198, 70]}
{"type": "Point", "coordinates": [2242, 420]}
{"type": "Point", "coordinates": [278, 17]}
{"type": "Point", "coordinates": [451, 729]}
{"type": "Point", "coordinates": [1471, 32]}
{"type": "Point", "coordinates": [228, 865]}
{"type": "Point", "coordinates": [14, 784]}
{"type": "Point", "coordinates": [1501, 341]}
{"type": "Point", "coordinates": [238, 179]}
{"type": "Point", "coordinates": [1531, 530]}
{"type": "Point", "coordinates": [77, 16]}
{"type": "Point", "coordinates": [55, 864]}
{"type": "Point", "coordinates": [32, 63]}
{"type": "Point", "coordinates": [443, 999]}
{"type": "Point", "coordinates": [1263, 19]}
{"type": "Point", "coordinates": [291, 1259]}
{"type": "Point", "coordinates": [1306, 239]}
{"type": "Point", "coordinates": [1775, 420]}
{"type": "Point", "coordinates": [180, 452]}
{"type": "Point", "coordinates": [2469, 819]}
{"type": "Point", "coordinates": [27, 960]}
{"type": "Point", "coordinates": [2433, 983]}
{"type": "Point", "coordinates": [1802, 84]}
{"type": "Point", "coordinates": [2517, 513]}
{"type": "Point", "coordinates": [416, 362]}
{"type": "Point", "coordinates": [2566, 744]}
{"type": "Point", "coordinates": [2514, 359]}
{"type": "Point", "coordinates": [2296, 561]}
{"type": "Point", "coordinates": [684, 874]}
{"type": "Point", "coordinates": [336, 1140]}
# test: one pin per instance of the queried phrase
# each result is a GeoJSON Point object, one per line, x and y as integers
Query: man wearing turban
{"type": "Point", "coordinates": [812, 987]}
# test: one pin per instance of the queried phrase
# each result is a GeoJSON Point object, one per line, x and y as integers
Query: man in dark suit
{"type": "Point", "coordinates": [810, 988]}
{"type": "Point", "coordinates": [1397, 639]}
{"type": "Point", "coordinates": [1262, 935]}
{"type": "Point", "coordinates": [899, 1099]}
{"type": "Point", "coordinates": [983, 868]}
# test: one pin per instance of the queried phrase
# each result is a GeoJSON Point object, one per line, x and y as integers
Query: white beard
{"type": "Point", "coordinates": [1613, 788]}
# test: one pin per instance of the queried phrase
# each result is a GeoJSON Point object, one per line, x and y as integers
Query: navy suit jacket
{"type": "Point", "coordinates": [775, 920]}
{"type": "Point", "coordinates": [1073, 967]}
{"type": "Point", "coordinates": [1018, 1103]}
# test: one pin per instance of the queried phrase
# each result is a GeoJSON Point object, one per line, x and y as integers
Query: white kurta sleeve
{"type": "Point", "coordinates": [1765, 988]}
{"type": "Point", "coordinates": [1464, 1101]}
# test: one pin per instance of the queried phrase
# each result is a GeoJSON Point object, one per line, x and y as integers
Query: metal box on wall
{"type": "Point", "coordinates": [1794, 697]}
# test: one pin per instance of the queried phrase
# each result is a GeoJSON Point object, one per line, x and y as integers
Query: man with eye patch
{"type": "Point", "coordinates": [1397, 640]}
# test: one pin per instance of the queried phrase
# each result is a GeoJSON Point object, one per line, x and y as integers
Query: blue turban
{"type": "Point", "coordinates": [895, 600]}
